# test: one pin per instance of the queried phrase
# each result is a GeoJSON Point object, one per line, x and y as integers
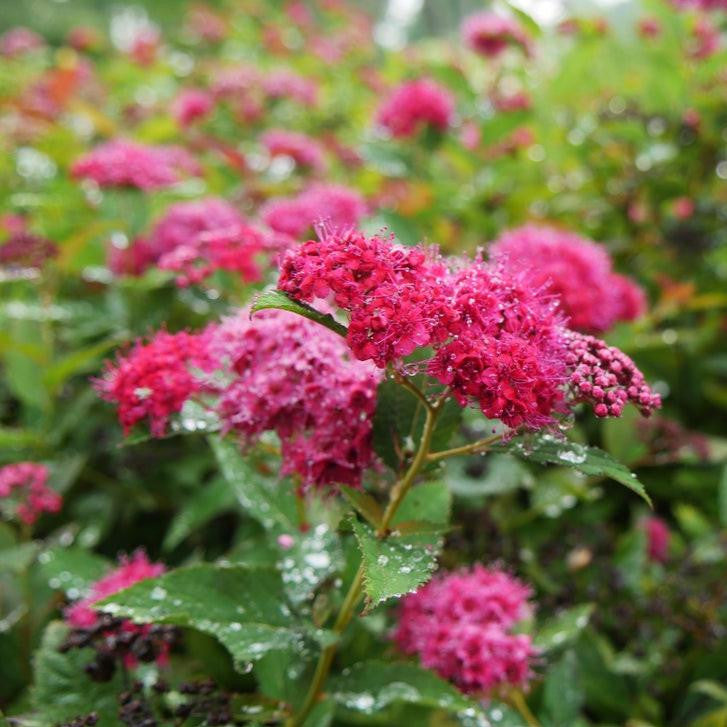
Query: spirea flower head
{"type": "Point", "coordinates": [497, 336]}
{"type": "Point", "coordinates": [506, 351]}
{"type": "Point", "coordinates": [24, 491]}
{"type": "Point", "coordinates": [335, 206]}
{"type": "Point", "coordinates": [19, 41]}
{"type": "Point", "coordinates": [459, 624]}
{"type": "Point", "coordinates": [489, 34]}
{"type": "Point", "coordinates": [705, 40]}
{"type": "Point", "coordinates": [122, 163]}
{"type": "Point", "coordinates": [153, 380]}
{"type": "Point", "coordinates": [196, 238]}
{"type": "Point", "coordinates": [303, 149]}
{"type": "Point", "coordinates": [414, 105]}
{"type": "Point", "coordinates": [657, 539]}
{"type": "Point", "coordinates": [24, 249]}
{"type": "Point", "coordinates": [296, 378]}
{"type": "Point", "coordinates": [606, 378]}
{"type": "Point", "coordinates": [577, 271]}
{"type": "Point", "coordinates": [131, 569]}
{"type": "Point", "coordinates": [191, 105]}
{"type": "Point", "coordinates": [287, 84]}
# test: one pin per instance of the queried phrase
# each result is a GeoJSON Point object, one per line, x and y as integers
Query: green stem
{"type": "Point", "coordinates": [517, 700]}
{"type": "Point", "coordinates": [473, 448]}
{"type": "Point", "coordinates": [398, 492]}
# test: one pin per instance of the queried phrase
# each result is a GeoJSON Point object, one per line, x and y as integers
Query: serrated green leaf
{"type": "Point", "coordinates": [548, 449]}
{"type": "Point", "coordinates": [71, 569]}
{"type": "Point", "coordinates": [260, 498]}
{"type": "Point", "coordinates": [243, 608]}
{"type": "Point", "coordinates": [395, 565]}
{"type": "Point", "coordinates": [364, 504]}
{"type": "Point", "coordinates": [62, 691]}
{"type": "Point", "coordinates": [563, 628]}
{"type": "Point", "coordinates": [392, 423]}
{"type": "Point", "coordinates": [206, 503]}
{"type": "Point", "coordinates": [278, 300]}
{"type": "Point", "coordinates": [372, 686]}
{"type": "Point", "coordinates": [429, 501]}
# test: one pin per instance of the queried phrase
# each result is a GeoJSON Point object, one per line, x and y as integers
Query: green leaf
{"type": "Point", "coordinates": [393, 422]}
{"type": "Point", "coordinates": [548, 449]}
{"type": "Point", "coordinates": [243, 608]}
{"type": "Point", "coordinates": [395, 565]}
{"type": "Point", "coordinates": [314, 556]}
{"type": "Point", "coordinates": [364, 504]}
{"type": "Point", "coordinates": [495, 474]}
{"type": "Point", "coordinates": [562, 693]}
{"type": "Point", "coordinates": [62, 691]}
{"type": "Point", "coordinates": [429, 501]}
{"type": "Point", "coordinates": [71, 570]}
{"type": "Point", "coordinates": [78, 361]}
{"type": "Point", "coordinates": [399, 421]}
{"type": "Point", "coordinates": [722, 502]}
{"type": "Point", "coordinates": [17, 558]}
{"type": "Point", "coordinates": [204, 504]}
{"type": "Point", "coordinates": [258, 496]}
{"type": "Point", "coordinates": [278, 300]}
{"type": "Point", "coordinates": [372, 686]}
{"type": "Point", "coordinates": [563, 628]}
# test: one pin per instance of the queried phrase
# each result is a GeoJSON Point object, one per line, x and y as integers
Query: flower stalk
{"type": "Point", "coordinates": [396, 497]}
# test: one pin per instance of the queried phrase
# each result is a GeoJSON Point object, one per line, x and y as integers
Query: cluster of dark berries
{"type": "Point", "coordinates": [205, 700]}
{"type": "Point", "coordinates": [117, 641]}
{"type": "Point", "coordinates": [82, 721]}
{"type": "Point", "coordinates": [134, 709]}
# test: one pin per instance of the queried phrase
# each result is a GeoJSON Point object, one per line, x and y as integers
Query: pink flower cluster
{"type": "Point", "coordinates": [489, 34]}
{"type": "Point", "coordinates": [702, 4]}
{"type": "Point", "coordinates": [333, 205]}
{"type": "Point", "coordinates": [130, 570]}
{"type": "Point", "coordinates": [460, 625]}
{"type": "Point", "coordinates": [25, 249]}
{"type": "Point", "coordinates": [606, 377]}
{"type": "Point", "coordinates": [19, 41]}
{"type": "Point", "coordinates": [657, 539]}
{"type": "Point", "coordinates": [230, 83]}
{"type": "Point", "coordinates": [154, 380]}
{"type": "Point", "coordinates": [414, 105]}
{"type": "Point", "coordinates": [577, 271]}
{"type": "Point", "coordinates": [296, 378]}
{"type": "Point", "coordinates": [303, 149]}
{"type": "Point", "coordinates": [498, 339]}
{"type": "Point", "coordinates": [194, 239]}
{"type": "Point", "coordinates": [705, 40]}
{"type": "Point", "coordinates": [25, 484]}
{"type": "Point", "coordinates": [121, 163]}
{"type": "Point", "coordinates": [279, 372]}
{"type": "Point", "coordinates": [191, 105]}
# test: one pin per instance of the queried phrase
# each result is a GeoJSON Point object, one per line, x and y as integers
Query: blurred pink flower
{"type": "Point", "coordinates": [19, 41]}
{"type": "Point", "coordinates": [192, 104]}
{"type": "Point", "coordinates": [489, 34]}
{"type": "Point", "coordinates": [24, 491]}
{"type": "Point", "coordinates": [414, 105]}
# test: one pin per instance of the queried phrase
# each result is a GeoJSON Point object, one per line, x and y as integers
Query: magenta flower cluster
{"type": "Point", "coordinates": [194, 239]}
{"type": "Point", "coordinates": [296, 378]}
{"type": "Point", "coordinates": [460, 625]}
{"type": "Point", "coordinates": [122, 163]}
{"type": "Point", "coordinates": [24, 491]}
{"type": "Point", "coordinates": [606, 377]}
{"type": "Point", "coordinates": [304, 150]}
{"type": "Point", "coordinates": [577, 271]}
{"type": "Point", "coordinates": [489, 34]}
{"type": "Point", "coordinates": [497, 336]}
{"type": "Point", "coordinates": [333, 205]}
{"type": "Point", "coordinates": [276, 372]}
{"type": "Point", "coordinates": [154, 380]}
{"type": "Point", "coordinates": [415, 105]}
